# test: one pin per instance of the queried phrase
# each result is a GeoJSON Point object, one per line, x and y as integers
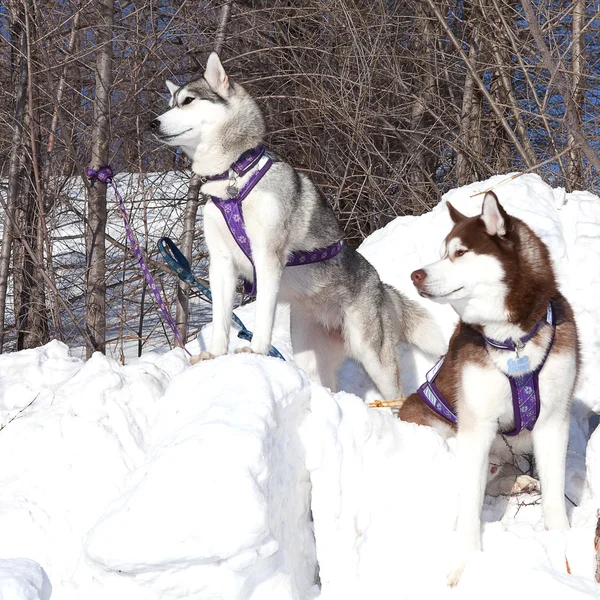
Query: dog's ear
{"type": "Point", "coordinates": [494, 217]}
{"type": "Point", "coordinates": [215, 75]}
{"type": "Point", "coordinates": [455, 215]}
{"type": "Point", "coordinates": [172, 87]}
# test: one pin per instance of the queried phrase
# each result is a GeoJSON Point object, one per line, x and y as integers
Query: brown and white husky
{"type": "Point", "coordinates": [498, 276]}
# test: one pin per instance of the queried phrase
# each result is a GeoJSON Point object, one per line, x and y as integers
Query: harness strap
{"type": "Point", "coordinates": [525, 389]}
{"type": "Point", "coordinates": [510, 344]}
{"type": "Point", "coordinates": [431, 395]}
{"type": "Point", "coordinates": [231, 209]}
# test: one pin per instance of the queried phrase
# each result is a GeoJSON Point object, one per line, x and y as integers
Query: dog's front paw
{"type": "Point", "coordinates": [464, 552]}
{"type": "Point", "coordinates": [244, 350]}
{"type": "Point", "coordinates": [204, 355]}
{"type": "Point", "coordinates": [455, 575]}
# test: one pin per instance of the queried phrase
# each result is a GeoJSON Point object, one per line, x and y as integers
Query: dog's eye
{"type": "Point", "coordinates": [188, 100]}
{"type": "Point", "coordinates": [461, 251]}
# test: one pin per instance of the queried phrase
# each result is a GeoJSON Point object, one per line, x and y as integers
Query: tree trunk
{"type": "Point", "coordinates": [574, 165]}
{"type": "Point", "coordinates": [464, 171]}
{"type": "Point", "coordinates": [421, 173]}
{"type": "Point", "coordinates": [14, 164]}
{"type": "Point", "coordinates": [96, 213]}
{"type": "Point", "coordinates": [182, 314]}
{"type": "Point", "coordinates": [32, 324]}
{"type": "Point", "coordinates": [187, 241]}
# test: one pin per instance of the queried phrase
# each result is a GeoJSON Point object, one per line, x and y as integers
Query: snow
{"type": "Point", "coordinates": [239, 478]}
{"type": "Point", "coordinates": [23, 579]}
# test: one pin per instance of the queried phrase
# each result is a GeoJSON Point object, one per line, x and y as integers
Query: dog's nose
{"type": "Point", "coordinates": [418, 276]}
{"type": "Point", "coordinates": [154, 124]}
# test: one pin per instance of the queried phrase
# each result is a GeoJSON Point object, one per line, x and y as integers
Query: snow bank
{"type": "Point", "coordinates": [23, 579]}
{"type": "Point", "coordinates": [231, 479]}
{"type": "Point", "coordinates": [150, 481]}
{"type": "Point", "coordinates": [221, 506]}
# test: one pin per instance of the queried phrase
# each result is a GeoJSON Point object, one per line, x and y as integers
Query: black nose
{"type": "Point", "coordinates": [154, 124]}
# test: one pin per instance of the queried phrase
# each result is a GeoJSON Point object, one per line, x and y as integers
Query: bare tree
{"type": "Point", "coordinates": [96, 213]}
{"type": "Point", "coordinates": [575, 167]}
{"type": "Point", "coordinates": [19, 70]}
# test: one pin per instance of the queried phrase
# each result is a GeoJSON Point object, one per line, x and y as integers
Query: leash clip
{"type": "Point", "coordinates": [519, 345]}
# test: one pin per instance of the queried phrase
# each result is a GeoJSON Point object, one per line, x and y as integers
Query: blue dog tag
{"type": "Point", "coordinates": [518, 365]}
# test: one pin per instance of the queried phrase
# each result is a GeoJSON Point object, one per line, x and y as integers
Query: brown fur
{"type": "Point", "coordinates": [532, 285]}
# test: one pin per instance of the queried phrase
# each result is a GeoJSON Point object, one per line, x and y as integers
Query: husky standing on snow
{"type": "Point", "coordinates": [339, 306]}
{"type": "Point", "coordinates": [511, 366]}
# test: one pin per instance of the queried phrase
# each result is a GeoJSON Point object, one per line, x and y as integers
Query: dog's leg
{"type": "Point", "coordinates": [269, 269]}
{"type": "Point", "coordinates": [550, 448]}
{"type": "Point", "coordinates": [475, 437]}
{"type": "Point", "coordinates": [223, 278]}
{"type": "Point", "coordinates": [376, 351]}
{"type": "Point", "coordinates": [318, 351]}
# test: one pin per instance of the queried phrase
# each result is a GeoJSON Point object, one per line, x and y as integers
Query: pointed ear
{"type": "Point", "coordinates": [455, 215]}
{"type": "Point", "coordinates": [215, 75]}
{"type": "Point", "coordinates": [493, 215]}
{"type": "Point", "coordinates": [172, 87]}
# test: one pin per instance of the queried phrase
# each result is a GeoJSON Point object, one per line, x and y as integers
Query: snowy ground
{"type": "Point", "coordinates": [240, 479]}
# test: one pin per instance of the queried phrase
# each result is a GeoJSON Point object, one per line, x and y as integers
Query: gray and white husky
{"type": "Point", "coordinates": [339, 307]}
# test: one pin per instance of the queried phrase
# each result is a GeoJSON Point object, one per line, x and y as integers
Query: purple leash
{"type": "Point", "coordinates": [104, 175]}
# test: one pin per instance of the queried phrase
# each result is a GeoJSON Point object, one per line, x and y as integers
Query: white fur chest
{"type": "Point", "coordinates": [486, 392]}
{"type": "Point", "coordinates": [260, 213]}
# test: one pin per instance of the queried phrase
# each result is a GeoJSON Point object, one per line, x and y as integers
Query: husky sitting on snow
{"type": "Point", "coordinates": [339, 306]}
{"type": "Point", "coordinates": [511, 366]}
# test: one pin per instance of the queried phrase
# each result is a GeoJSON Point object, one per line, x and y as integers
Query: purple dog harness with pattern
{"type": "Point", "coordinates": [231, 209]}
{"type": "Point", "coordinates": [525, 387]}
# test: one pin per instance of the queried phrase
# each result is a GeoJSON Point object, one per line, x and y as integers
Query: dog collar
{"type": "Point", "coordinates": [518, 345]}
{"type": "Point", "coordinates": [242, 165]}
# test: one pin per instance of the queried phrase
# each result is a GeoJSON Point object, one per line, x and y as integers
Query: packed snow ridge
{"type": "Point", "coordinates": [240, 479]}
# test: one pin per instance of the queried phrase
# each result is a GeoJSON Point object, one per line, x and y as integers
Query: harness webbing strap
{"type": "Point", "coordinates": [231, 209]}
{"type": "Point", "coordinates": [525, 389]}
{"type": "Point", "coordinates": [431, 395]}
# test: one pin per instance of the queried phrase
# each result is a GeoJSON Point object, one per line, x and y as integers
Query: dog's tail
{"type": "Point", "coordinates": [416, 325]}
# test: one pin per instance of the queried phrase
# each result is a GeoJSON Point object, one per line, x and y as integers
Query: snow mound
{"type": "Point", "coordinates": [23, 579]}
{"type": "Point", "coordinates": [210, 513]}
{"type": "Point", "coordinates": [384, 501]}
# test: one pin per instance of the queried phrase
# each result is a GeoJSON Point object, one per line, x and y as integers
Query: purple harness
{"type": "Point", "coordinates": [231, 209]}
{"type": "Point", "coordinates": [525, 387]}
